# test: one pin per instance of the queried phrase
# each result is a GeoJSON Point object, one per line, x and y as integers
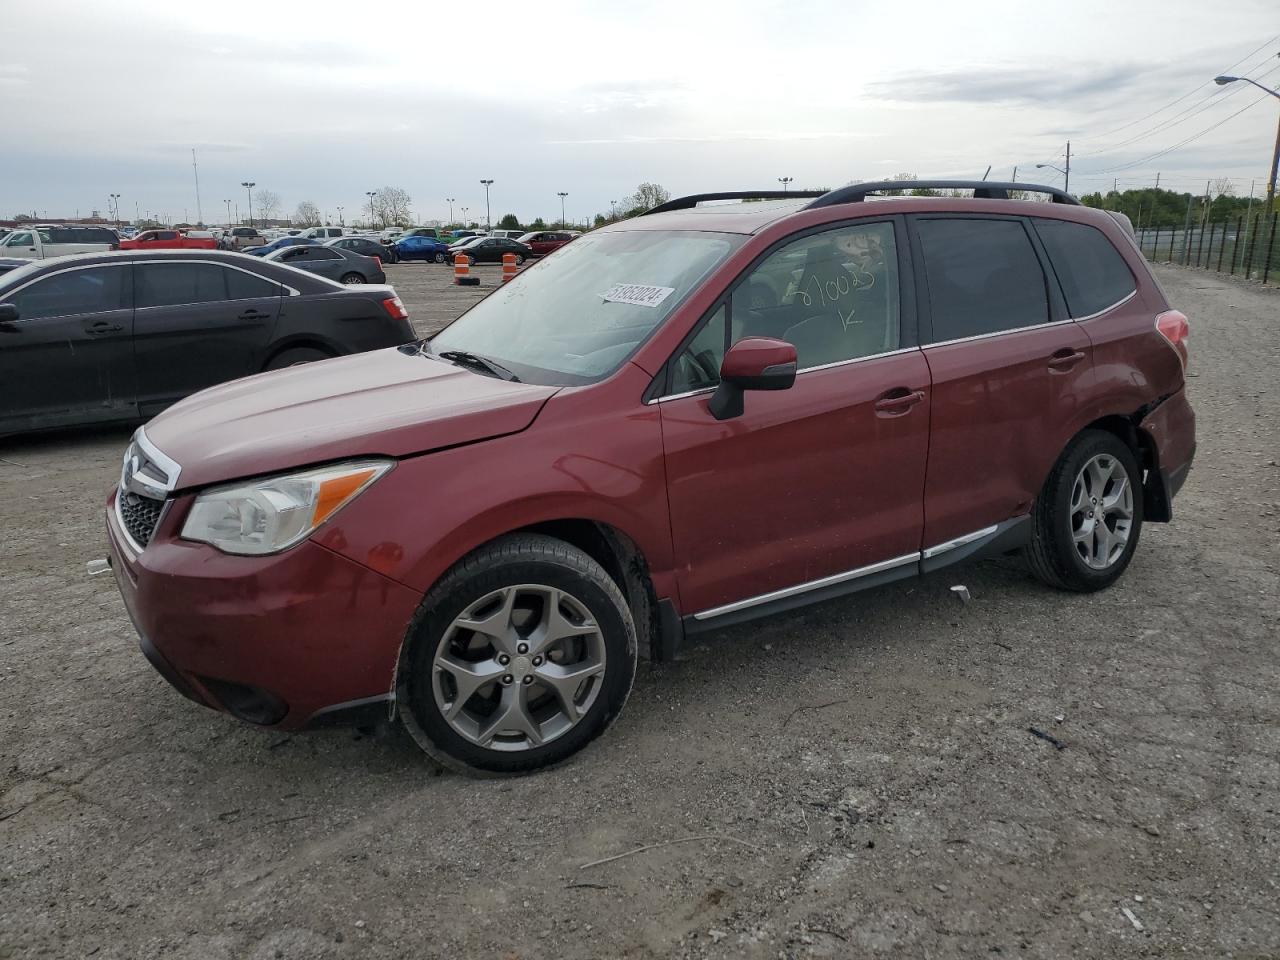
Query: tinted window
{"type": "Point", "coordinates": [169, 284]}
{"type": "Point", "coordinates": [833, 294]}
{"type": "Point", "coordinates": [1093, 274]}
{"type": "Point", "coordinates": [320, 253]}
{"type": "Point", "coordinates": [698, 365]}
{"type": "Point", "coordinates": [245, 286]}
{"type": "Point", "coordinates": [983, 277]}
{"type": "Point", "coordinates": [166, 235]}
{"type": "Point", "coordinates": [92, 290]}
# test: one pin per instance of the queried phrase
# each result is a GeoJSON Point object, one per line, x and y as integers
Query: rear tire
{"type": "Point", "coordinates": [523, 706]}
{"type": "Point", "coordinates": [439, 258]}
{"type": "Point", "coordinates": [295, 356]}
{"type": "Point", "coordinates": [352, 279]}
{"type": "Point", "coordinates": [1088, 518]}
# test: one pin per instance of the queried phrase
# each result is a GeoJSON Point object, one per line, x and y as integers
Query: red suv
{"type": "Point", "coordinates": [543, 242]}
{"type": "Point", "coordinates": [706, 414]}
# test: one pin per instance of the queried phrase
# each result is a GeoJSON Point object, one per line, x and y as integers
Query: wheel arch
{"type": "Point", "coordinates": [299, 342]}
{"type": "Point", "coordinates": [1127, 428]}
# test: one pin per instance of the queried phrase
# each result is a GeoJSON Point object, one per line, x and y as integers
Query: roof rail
{"type": "Point", "coordinates": [686, 203]}
{"type": "Point", "coordinates": [982, 190]}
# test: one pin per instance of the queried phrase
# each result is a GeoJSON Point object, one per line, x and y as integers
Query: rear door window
{"type": "Point", "coordinates": [983, 277]}
{"type": "Point", "coordinates": [246, 286]}
{"type": "Point", "coordinates": [1091, 271]}
{"type": "Point", "coordinates": [171, 284]}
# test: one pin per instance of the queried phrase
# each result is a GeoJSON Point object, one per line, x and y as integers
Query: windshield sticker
{"type": "Point", "coordinates": [640, 294]}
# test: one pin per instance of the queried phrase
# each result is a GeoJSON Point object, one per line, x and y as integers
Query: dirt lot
{"type": "Point", "coordinates": [854, 780]}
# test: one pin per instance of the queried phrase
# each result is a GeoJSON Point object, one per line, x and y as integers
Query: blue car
{"type": "Point", "coordinates": [422, 248]}
{"type": "Point", "coordinates": [275, 245]}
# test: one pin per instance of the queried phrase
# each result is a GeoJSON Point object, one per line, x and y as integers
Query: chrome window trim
{"type": "Point", "coordinates": [823, 366]}
{"type": "Point", "coordinates": [997, 333]}
{"type": "Point", "coordinates": [1123, 300]}
{"type": "Point", "coordinates": [959, 541]}
{"type": "Point", "coordinates": [800, 588]}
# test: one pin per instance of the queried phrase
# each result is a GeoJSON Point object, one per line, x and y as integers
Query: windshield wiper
{"type": "Point", "coordinates": [477, 362]}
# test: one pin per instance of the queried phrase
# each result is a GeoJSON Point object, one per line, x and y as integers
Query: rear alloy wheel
{"type": "Point", "coordinates": [1088, 517]}
{"type": "Point", "coordinates": [351, 279]}
{"type": "Point", "coordinates": [521, 655]}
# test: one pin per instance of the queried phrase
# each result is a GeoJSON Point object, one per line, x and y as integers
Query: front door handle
{"type": "Point", "coordinates": [253, 315]}
{"type": "Point", "coordinates": [898, 401]}
{"type": "Point", "coordinates": [102, 326]}
{"type": "Point", "coordinates": [1065, 359]}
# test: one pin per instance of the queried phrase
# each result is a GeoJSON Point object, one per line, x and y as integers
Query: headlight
{"type": "Point", "coordinates": [272, 514]}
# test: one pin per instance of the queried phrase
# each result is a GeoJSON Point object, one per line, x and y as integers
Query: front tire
{"type": "Point", "coordinates": [439, 257]}
{"type": "Point", "coordinates": [520, 656]}
{"type": "Point", "coordinates": [1088, 518]}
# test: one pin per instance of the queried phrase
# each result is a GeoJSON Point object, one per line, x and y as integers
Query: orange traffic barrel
{"type": "Point", "coordinates": [508, 266]}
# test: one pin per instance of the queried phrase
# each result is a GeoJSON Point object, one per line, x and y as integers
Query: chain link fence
{"type": "Point", "coordinates": [1245, 246]}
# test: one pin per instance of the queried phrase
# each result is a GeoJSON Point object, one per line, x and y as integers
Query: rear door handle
{"type": "Point", "coordinates": [898, 400]}
{"type": "Point", "coordinates": [1065, 359]}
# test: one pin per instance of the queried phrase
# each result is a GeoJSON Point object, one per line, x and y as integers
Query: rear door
{"type": "Point", "coordinates": [68, 359]}
{"type": "Point", "coordinates": [815, 486]}
{"type": "Point", "coordinates": [196, 324]}
{"type": "Point", "coordinates": [1007, 368]}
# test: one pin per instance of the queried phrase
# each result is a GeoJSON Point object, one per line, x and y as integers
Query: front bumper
{"type": "Point", "coordinates": [277, 640]}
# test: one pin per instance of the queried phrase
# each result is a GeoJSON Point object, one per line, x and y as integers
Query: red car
{"type": "Point", "coordinates": [170, 240]}
{"type": "Point", "coordinates": [683, 421]}
{"type": "Point", "coordinates": [543, 242]}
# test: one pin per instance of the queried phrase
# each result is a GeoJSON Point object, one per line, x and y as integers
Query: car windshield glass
{"type": "Point", "coordinates": [575, 317]}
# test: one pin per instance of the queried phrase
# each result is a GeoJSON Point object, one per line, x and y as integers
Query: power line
{"type": "Point", "coordinates": [1197, 108]}
{"type": "Point", "coordinates": [1125, 126]}
{"type": "Point", "coordinates": [1181, 143]}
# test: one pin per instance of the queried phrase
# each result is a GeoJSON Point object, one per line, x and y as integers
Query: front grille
{"type": "Point", "coordinates": [139, 516]}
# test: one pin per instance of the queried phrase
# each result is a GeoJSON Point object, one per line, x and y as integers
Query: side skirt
{"type": "Point", "coordinates": [1000, 538]}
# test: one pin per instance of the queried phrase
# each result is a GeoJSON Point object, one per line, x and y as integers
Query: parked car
{"type": "Point", "coordinates": [462, 234]}
{"type": "Point", "coordinates": [11, 263]}
{"type": "Point", "coordinates": [422, 248]}
{"type": "Point", "coordinates": [48, 241]}
{"type": "Point", "coordinates": [366, 246]}
{"type": "Point", "coordinates": [117, 337]}
{"type": "Point", "coordinates": [389, 236]}
{"type": "Point", "coordinates": [542, 242]}
{"type": "Point", "coordinates": [170, 240]}
{"type": "Point", "coordinates": [323, 233]}
{"type": "Point", "coordinates": [242, 238]}
{"type": "Point", "coordinates": [332, 262]}
{"type": "Point", "coordinates": [679, 422]}
{"type": "Point", "coordinates": [419, 232]}
{"type": "Point", "coordinates": [507, 234]}
{"type": "Point", "coordinates": [491, 250]}
{"type": "Point", "coordinates": [279, 243]}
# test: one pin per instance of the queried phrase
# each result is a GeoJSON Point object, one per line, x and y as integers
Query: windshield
{"type": "Point", "coordinates": [575, 317]}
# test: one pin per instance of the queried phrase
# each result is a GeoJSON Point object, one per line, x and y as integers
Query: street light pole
{"type": "Point", "coordinates": [228, 203]}
{"type": "Point", "coordinates": [449, 201]}
{"type": "Point", "coordinates": [488, 220]}
{"type": "Point", "coordinates": [464, 217]}
{"type": "Point", "coordinates": [341, 220]}
{"type": "Point", "coordinates": [249, 185]}
{"type": "Point", "coordinates": [785, 181]}
{"type": "Point", "coordinates": [562, 194]}
{"type": "Point", "coordinates": [1275, 154]}
{"type": "Point", "coordinates": [371, 194]}
{"type": "Point", "coordinates": [116, 203]}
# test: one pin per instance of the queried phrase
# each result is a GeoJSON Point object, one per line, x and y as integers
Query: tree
{"type": "Point", "coordinates": [538, 224]}
{"type": "Point", "coordinates": [267, 203]}
{"type": "Point", "coordinates": [307, 215]}
{"type": "Point", "coordinates": [509, 222]}
{"type": "Point", "coordinates": [647, 196]}
{"type": "Point", "coordinates": [391, 206]}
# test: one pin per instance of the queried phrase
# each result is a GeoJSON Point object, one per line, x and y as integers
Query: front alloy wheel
{"type": "Point", "coordinates": [522, 654]}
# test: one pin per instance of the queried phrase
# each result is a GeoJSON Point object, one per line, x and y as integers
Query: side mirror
{"type": "Point", "coordinates": [8, 316]}
{"type": "Point", "coordinates": [754, 363]}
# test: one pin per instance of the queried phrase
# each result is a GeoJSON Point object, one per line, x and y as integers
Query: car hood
{"type": "Point", "coordinates": [385, 402]}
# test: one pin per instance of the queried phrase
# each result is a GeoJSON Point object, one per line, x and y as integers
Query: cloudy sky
{"type": "Point", "coordinates": [324, 100]}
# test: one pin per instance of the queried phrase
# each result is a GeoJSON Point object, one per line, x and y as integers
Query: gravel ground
{"type": "Point", "coordinates": [853, 780]}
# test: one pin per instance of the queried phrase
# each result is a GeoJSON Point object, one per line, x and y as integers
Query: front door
{"type": "Point", "coordinates": [68, 358]}
{"type": "Point", "coordinates": [198, 324]}
{"type": "Point", "coordinates": [1007, 370]}
{"type": "Point", "coordinates": [818, 485]}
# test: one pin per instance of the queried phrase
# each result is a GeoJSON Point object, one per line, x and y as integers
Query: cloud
{"type": "Point", "coordinates": [1025, 85]}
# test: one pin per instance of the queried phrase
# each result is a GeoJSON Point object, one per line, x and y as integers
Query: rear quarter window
{"type": "Point", "coordinates": [1092, 273]}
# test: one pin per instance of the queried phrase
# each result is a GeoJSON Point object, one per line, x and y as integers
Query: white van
{"type": "Point", "coordinates": [39, 243]}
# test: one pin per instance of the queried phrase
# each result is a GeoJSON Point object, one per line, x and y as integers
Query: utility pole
{"type": "Point", "coordinates": [1014, 179]}
{"type": "Point", "coordinates": [1066, 177]}
{"type": "Point", "coordinates": [196, 170]}
{"type": "Point", "coordinates": [1186, 232]}
{"type": "Point", "coordinates": [1157, 181]}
